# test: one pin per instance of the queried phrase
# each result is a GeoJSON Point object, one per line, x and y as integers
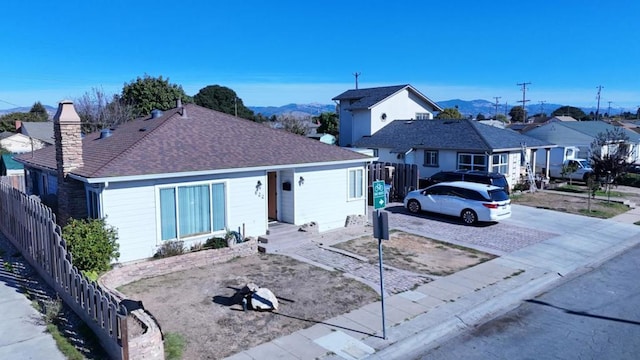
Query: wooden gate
{"type": "Point", "coordinates": [402, 178]}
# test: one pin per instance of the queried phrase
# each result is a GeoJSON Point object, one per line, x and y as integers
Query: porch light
{"type": "Point", "coordinates": [259, 185]}
{"type": "Point", "coordinates": [301, 181]}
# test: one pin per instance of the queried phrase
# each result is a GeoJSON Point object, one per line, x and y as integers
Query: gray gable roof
{"type": "Point", "coordinates": [593, 128]}
{"type": "Point", "coordinates": [463, 135]}
{"type": "Point", "coordinates": [366, 98]}
{"type": "Point", "coordinates": [206, 140]}
{"type": "Point", "coordinates": [38, 130]}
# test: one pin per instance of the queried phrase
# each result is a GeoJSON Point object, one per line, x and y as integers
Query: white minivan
{"type": "Point", "coordinates": [471, 202]}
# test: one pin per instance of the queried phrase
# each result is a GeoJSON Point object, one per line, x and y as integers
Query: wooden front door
{"type": "Point", "coordinates": [272, 196]}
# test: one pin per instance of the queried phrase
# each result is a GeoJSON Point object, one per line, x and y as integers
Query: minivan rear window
{"type": "Point", "coordinates": [498, 195]}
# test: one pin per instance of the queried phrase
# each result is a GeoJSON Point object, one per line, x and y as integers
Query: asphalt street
{"type": "Point", "coordinates": [592, 316]}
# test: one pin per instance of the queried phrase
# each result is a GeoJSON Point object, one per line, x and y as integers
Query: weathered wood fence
{"type": "Point", "coordinates": [31, 227]}
{"type": "Point", "coordinates": [402, 178]}
{"type": "Point", "coordinates": [15, 181]}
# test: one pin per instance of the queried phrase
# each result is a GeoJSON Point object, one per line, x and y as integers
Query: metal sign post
{"type": "Point", "coordinates": [381, 232]}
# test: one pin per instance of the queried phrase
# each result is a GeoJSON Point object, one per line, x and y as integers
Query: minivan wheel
{"type": "Point", "coordinates": [469, 216]}
{"type": "Point", "coordinates": [413, 206]}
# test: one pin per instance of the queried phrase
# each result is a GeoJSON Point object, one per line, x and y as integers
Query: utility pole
{"type": "Point", "coordinates": [356, 74]}
{"type": "Point", "coordinates": [609, 110]}
{"type": "Point", "coordinates": [506, 107]}
{"type": "Point", "coordinates": [524, 99]}
{"type": "Point", "coordinates": [542, 108]}
{"type": "Point", "coordinates": [497, 104]}
{"type": "Point", "coordinates": [599, 87]}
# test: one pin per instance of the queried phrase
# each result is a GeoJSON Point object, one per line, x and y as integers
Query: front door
{"type": "Point", "coordinates": [272, 196]}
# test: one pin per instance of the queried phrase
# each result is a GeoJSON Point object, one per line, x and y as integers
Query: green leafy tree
{"type": "Point", "coordinates": [92, 244]}
{"type": "Point", "coordinates": [223, 99]}
{"type": "Point", "coordinates": [568, 169]}
{"type": "Point", "coordinates": [501, 117]}
{"type": "Point", "coordinates": [449, 113]}
{"type": "Point", "coordinates": [8, 121]}
{"type": "Point", "coordinates": [328, 123]}
{"type": "Point", "coordinates": [148, 93]}
{"type": "Point", "coordinates": [572, 111]}
{"type": "Point", "coordinates": [480, 116]}
{"type": "Point", "coordinates": [39, 112]}
{"type": "Point", "coordinates": [517, 114]}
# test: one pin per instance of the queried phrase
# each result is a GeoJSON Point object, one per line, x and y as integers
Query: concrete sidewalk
{"type": "Point", "coordinates": [431, 313]}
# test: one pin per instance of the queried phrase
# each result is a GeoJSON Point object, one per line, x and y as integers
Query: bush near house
{"type": "Point", "coordinates": [92, 243]}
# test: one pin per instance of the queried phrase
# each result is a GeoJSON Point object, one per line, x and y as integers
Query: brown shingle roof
{"type": "Point", "coordinates": [206, 140]}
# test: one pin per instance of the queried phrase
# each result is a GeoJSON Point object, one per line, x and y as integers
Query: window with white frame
{"type": "Point", "coordinates": [356, 184]}
{"type": "Point", "coordinates": [422, 116]}
{"type": "Point", "coordinates": [500, 163]}
{"type": "Point", "coordinates": [192, 210]}
{"type": "Point", "coordinates": [93, 204]}
{"type": "Point", "coordinates": [472, 162]}
{"type": "Point", "coordinates": [431, 158]}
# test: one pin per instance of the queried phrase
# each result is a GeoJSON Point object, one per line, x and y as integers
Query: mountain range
{"type": "Point", "coordinates": [466, 107]}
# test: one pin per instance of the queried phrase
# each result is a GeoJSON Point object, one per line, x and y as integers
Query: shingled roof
{"type": "Point", "coordinates": [205, 140]}
{"type": "Point", "coordinates": [463, 135]}
{"type": "Point", "coordinates": [366, 98]}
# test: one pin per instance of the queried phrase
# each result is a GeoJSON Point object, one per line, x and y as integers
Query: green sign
{"type": "Point", "coordinates": [379, 198]}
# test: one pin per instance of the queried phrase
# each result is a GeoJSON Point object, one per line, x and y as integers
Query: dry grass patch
{"type": "Point", "coordinates": [417, 253]}
{"type": "Point", "coordinates": [198, 304]}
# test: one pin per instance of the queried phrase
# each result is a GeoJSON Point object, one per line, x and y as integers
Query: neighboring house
{"type": "Point", "coordinates": [11, 172]}
{"type": "Point", "coordinates": [581, 134]}
{"type": "Point", "coordinates": [464, 144]}
{"type": "Point", "coordinates": [19, 143]}
{"type": "Point", "coordinates": [191, 173]}
{"type": "Point", "coordinates": [363, 112]}
{"type": "Point", "coordinates": [40, 130]}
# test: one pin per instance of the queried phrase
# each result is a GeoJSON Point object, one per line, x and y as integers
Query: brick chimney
{"type": "Point", "coordinates": [68, 139]}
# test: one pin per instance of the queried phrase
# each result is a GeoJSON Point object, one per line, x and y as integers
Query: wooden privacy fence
{"type": "Point", "coordinates": [402, 178]}
{"type": "Point", "coordinates": [31, 227]}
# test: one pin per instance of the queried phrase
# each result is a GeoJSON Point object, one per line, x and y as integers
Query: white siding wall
{"type": "Point", "coordinates": [132, 208]}
{"type": "Point", "coordinates": [346, 128]}
{"type": "Point", "coordinates": [402, 106]}
{"type": "Point", "coordinates": [19, 143]}
{"type": "Point", "coordinates": [323, 197]}
{"type": "Point", "coordinates": [360, 125]}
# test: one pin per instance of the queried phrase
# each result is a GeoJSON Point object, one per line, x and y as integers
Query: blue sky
{"type": "Point", "coordinates": [280, 52]}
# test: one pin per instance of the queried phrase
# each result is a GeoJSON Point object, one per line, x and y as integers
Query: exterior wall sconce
{"type": "Point", "coordinates": [301, 181]}
{"type": "Point", "coordinates": [259, 185]}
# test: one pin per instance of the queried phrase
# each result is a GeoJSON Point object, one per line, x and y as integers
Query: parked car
{"type": "Point", "coordinates": [481, 177]}
{"type": "Point", "coordinates": [633, 168]}
{"type": "Point", "coordinates": [471, 202]}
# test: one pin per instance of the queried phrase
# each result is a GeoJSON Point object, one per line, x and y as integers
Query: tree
{"type": "Point", "coordinates": [480, 116]}
{"type": "Point", "coordinates": [517, 114]}
{"type": "Point", "coordinates": [294, 125]}
{"type": "Point", "coordinates": [501, 117]}
{"type": "Point", "coordinates": [449, 113]}
{"type": "Point", "coordinates": [223, 99]}
{"type": "Point", "coordinates": [8, 121]}
{"type": "Point", "coordinates": [609, 154]}
{"type": "Point", "coordinates": [572, 111]}
{"type": "Point", "coordinates": [148, 93]}
{"type": "Point", "coordinates": [98, 111]}
{"type": "Point", "coordinates": [92, 244]}
{"type": "Point", "coordinates": [328, 123]}
{"type": "Point", "coordinates": [39, 112]}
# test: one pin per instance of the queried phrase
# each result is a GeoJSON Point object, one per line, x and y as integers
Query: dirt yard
{"type": "Point", "coordinates": [574, 204]}
{"type": "Point", "coordinates": [416, 253]}
{"type": "Point", "coordinates": [199, 304]}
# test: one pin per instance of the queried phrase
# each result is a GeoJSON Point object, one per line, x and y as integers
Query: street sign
{"type": "Point", "coordinates": [379, 198]}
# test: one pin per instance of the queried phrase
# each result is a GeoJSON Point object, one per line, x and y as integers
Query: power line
{"type": "Point", "coordinates": [12, 104]}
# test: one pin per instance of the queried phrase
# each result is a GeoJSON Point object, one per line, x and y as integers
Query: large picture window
{"type": "Point", "coordinates": [191, 210]}
{"type": "Point", "coordinates": [431, 158]}
{"type": "Point", "coordinates": [356, 184]}
{"type": "Point", "coordinates": [472, 162]}
{"type": "Point", "coordinates": [500, 163]}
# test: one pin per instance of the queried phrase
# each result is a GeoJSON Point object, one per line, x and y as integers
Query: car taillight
{"type": "Point", "coordinates": [490, 205]}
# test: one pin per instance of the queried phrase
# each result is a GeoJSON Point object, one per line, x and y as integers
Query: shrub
{"type": "Point", "coordinates": [170, 248]}
{"type": "Point", "coordinates": [216, 243]}
{"type": "Point", "coordinates": [92, 243]}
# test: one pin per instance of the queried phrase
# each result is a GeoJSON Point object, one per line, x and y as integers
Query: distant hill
{"type": "Point", "coordinates": [488, 108]}
{"type": "Point", "coordinates": [294, 110]}
{"type": "Point", "coordinates": [50, 110]}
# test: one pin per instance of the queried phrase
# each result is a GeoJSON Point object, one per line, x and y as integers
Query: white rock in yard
{"type": "Point", "coordinates": [264, 299]}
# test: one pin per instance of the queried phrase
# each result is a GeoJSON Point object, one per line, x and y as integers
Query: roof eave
{"type": "Point", "coordinates": [98, 180]}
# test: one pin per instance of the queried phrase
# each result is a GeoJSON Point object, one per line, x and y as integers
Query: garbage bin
{"type": "Point", "coordinates": [387, 190]}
